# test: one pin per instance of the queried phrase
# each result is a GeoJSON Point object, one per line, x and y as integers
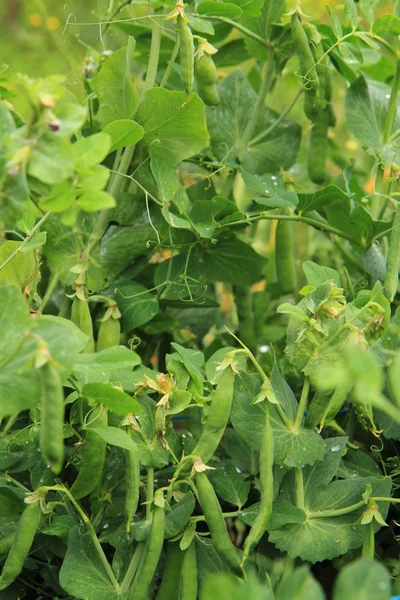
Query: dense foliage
{"type": "Point", "coordinates": [200, 341]}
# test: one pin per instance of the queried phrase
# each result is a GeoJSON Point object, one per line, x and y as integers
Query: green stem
{"type": "Point", "coordinates": [302, 404]}
{"type": "Point", "coordinates": [170, 64]}
{"type": "Point", "coordinates": [326, 514]}
{"type": "Point", "coordinates": [299, 218]}
{"type": "Point", "coordinates": [260, 103]}
{"type": "Point", "coordinates": [114, 189]}
{"type": "Point", "coordinates": [226, 515]}
{"type": "Point", "coordinates": [26, 240]}
{"type": "Point", "coordinates": [299, 488]}
{"type": "Point", "coordinates": [152, 66]}
{"type": "Point", "coordinates": [50, 289]}
{"type": "Point", "coordinates": [133, 565]}
{"type": "Point", "coordinates": [92, 534]}
{"type": "Point", "coordinates": [149, 492]}
{"type": "Point", "coordinates": [239, 27]}
{"type": "Point", "coordinates": [283, 115]}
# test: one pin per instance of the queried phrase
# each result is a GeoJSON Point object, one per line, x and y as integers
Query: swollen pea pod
{"type": "Point", "coordinates": [217, 418]}
{"type": "Point", "coordinates": [132, 480]}
{"type": "Point", "coordinates": [245, 314]}
{"type": "Point", "coordinates": [169, 588]}
{"type": "Point", "coordinates": [23, 540]}
{"type": "Point", "coordinates": [284, 257]}
{"type": "Point", "coordinates": [93, 456]}
{"type": "Point", "coordinates": [151, 556]}
{"type": "Point", "coordinates": [393, 260]}
{"type": "Point", "coordinates": [186, 49]}
{"type": "Point", "coordinates": [307, 67]}
{"type": "Point", "coordinates": [206, 77]}
{"type": "Point", "coordinates": [109, 334]}
{"type": "Point", "coordinates": [318, 149]}
{"type": "Point", "coordinates": [188, 584]}
{"type": "Point", "coordinates": [81, 317]}
{"type": "Point", "coordinates": [51, 438]}
{"type": "Point", "coordinates": [267, 487]}
{"type": "Point", "coordinates": [336, 402]}
{"type": "Point", "coordinates": [216, 523]}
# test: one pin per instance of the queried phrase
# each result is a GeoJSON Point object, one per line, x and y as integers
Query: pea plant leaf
{"type": "Point", "coordinates": [363, 579]}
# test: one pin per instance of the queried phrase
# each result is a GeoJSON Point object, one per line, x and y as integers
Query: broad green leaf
{"type": "Point", "coordinates": [368, 7]}
{"type": "Point", "coordinates": [232, 261]}
{"type": "Point", "coordinates": [178, 518]}
{"type": "Point", "coordinates": [14, 319]}
{"type": "Point", "coordinates": [62, 196]}
{"type": "Point", "coordinates": [283, 512]}
{"type": "Point", "coordinates": [18, 390]}
{"type": "Point", "coordinates": [91, 150]}
{"type": "Point", "coordinates": [360, 113]}
{"type": "Point", "coordinates": [335, 23]}
{"type": "Point", "coordinates": [295, 448]}
{"type": "Point", "coordinates": [94, 200]}
{"type": "Point", "coordinates": [72, 116]}
{"type": "Point", "coordinates": [123, 132]}
{"type": "Point", "coordinates": [212, 8]}
{"type": "Point", "coordinates": [21, 269]}
{"type": "Point", "coordinates": [300, 585]}
{"type": "Point", "coordinates": [317, 274]}
{"type": "Point", "coordinates": [363, 579]}
{"type": "Point", "coordinates": [52, 160]}
{"type": "Point", "coordinates": [248, 419]}
{"type": "Point", "coordinates": [82, 573]}
{"type": "Point", "coordinates": [230, 485]}
{"type": "Point", "coordinates": [309, 201]}
{"type": "Point", "coordinates": [115, 90]}
{"type": "Point", "coordinates": [213, 376]}
{"type": "Point", "coordinates": [245, 458]}
{"type": "Point", "coordinates": [137, 305]}
{"type": "Point", "coordinates": [193, 361]}
{"type": "Point", "coordinates": [28, 219]}
{"type": "Point", "coordinates": [181, 276]}
{"type": "Point", "coordinates": [351, 13]}
{"type": "Point", "coordinates": [95, 178]}
{"type": "Point", "coordinates": [169, 186]}
{"type": "Point", "coordinates": [283, 393]}
{"type": "Point", "coordinates": [113, 365]}
{"type": "Point", "coordinates": [272, 188]}
{"type": "Point", "coordinates": [174, 129]}
{"type": "Point", "coordinates": [112, 397]}
{"type": "Point", "coordinates": [387, 24]}
{"type": "Point", "coordinates": [224, 585]}
{"type": "Point", "coordinates": [227, 123]}
{"type": "Point", "coordinates": [200, 25]}
{"type": "Point", "coordinates": [375, 263]}
{"type": "Point", "coordinates": [114, 437]}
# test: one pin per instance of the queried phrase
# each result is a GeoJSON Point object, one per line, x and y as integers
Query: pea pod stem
{"type": "Point", "coordinates": [132, 568]}
{"type": "Point", "coordinates": [327, 514]}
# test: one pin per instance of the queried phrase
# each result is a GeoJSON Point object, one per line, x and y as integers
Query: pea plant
{"type": "Point", "coordinates": [200, 334]}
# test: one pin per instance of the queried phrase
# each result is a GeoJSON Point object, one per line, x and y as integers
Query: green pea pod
{"type": "Point", "coordinates": [393, 260]}
{"type": "Point", "coordinates": [151, 556]}
{"type": "Point", "coordinates": [169, 588]}
{"type": "Point", "coordinates": [216, 523]}
{"type": "Point", "coordinates": [307, 67]}
{"type": "Point", "coordinates": [81, 317]}
{"type": "Point", "coordinates": [318, 149]}
{"type": "Point", "coordinates": [188, 584]}
{"type": "Point", "coordinates": [368, 549]}
{"type": "Point", "coordinates": [132, 481]}
{"type": "Point", "coordinates": [93, 456]}
{"type": "Point", "coordinates": [284, 257]}
{"type": "Point", "coordinates": [260, 524]}
{"type": "Point", "coordinates": [186, 49]}
{"type": "Point", "coordinates": [109, 334]}
{"type": "Point", "coordinates": [245, 314]}
{"type": "Point", "coordinates": [6, 542]}
{"type": "Point", "coordinates": [206, 77]}
{"type": "Point", "coordinates": [336, 402]}
{"type": "Point", "coordinates": [52, 417]}
{"type": "Point", "coordinates": [24, 536]}
{"type": "Point", "coordinates": [218, 417]}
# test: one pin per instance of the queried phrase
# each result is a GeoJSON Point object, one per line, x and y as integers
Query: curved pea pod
{"type": "Point", "coordinates": [151, 556]}
{"type": "Point", "coordinates": [23, 540]}
{"type": "Point", "coordinates": [93, 456]}
{"type": "Point", "coordinates": [188, 583]}
{"type": "Point", "coordinates": [307, 67]}
{"type": "Point", "coordinates": [132, 480]}
{"type": "Point", "coordinates": [81, 317]}
{"type": "Point", "coordinates": [216, 523]}
{"type": "Point", "coordinates": [109, 334]}
{"type": "Point", "coordinates": [218, 417]}
{"type": "Point", "coordinates": [186, 49]}
{"type": "Point", "coordinates": [169, 588]}
{"type": "Point", "coordinates": [206, 77]}
{"type": "Point", "coordinates": [336, 402]}
{"type": "Point", "coordinates": [284, 257]}
{"type": "Point", "coordinates": [51, 437]}
{"type": "Point", "coordinates": [318, 148]}
{"type": "Point", "coordinates": [260, 524]}
{"type": "Point", "coordinates": [393, 260]}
